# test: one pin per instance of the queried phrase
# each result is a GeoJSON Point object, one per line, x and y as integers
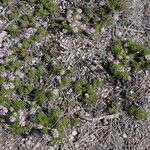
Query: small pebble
{"type": "Point", "coordinates": [74, 133]}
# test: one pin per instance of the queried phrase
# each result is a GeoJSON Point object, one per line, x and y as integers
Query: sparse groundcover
{"type": "Point", "coordinates": [38, 93]}
{"type": "Point", "coordinates": [26, 108]}
{"type": "Point", "coordinates": [28, 103]}
{"type": "Point", "coordinates": [90, 19]}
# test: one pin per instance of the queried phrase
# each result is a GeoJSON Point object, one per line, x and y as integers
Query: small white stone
{"type": "Point", "coordinates": [78, 108]}
{"type": "Point", "coordinates": [147, 57]}
{"type": "Point", "coordinates": [71, 137]}
{"type": "Point", "coordinates": [92, 136]}
{"type": "Point", "coordinates": [74, 133]}
{"type": "Point", "coordinates": [28, 142]}
{"type": "Point", "coordinates": [124, 135]}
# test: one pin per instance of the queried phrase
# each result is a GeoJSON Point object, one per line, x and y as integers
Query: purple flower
{"type": "Point", "coordinates": [69, 18]}
{"type": "Point", "coordinates": [11, 77]}
{"type": "Point", "coordinates": [3, 110]}
{"type": "Point", "coordinates": [75, 29]}
{"type": "Point", "coordinates": [39, 126]}
{"type": "Point", "coordinates": [83, 27]}
{"type": "Point", "coordinates": [45, 138]}
{"type": "Point", "coordinates": [58, 78]}
{"type": "Point", "coordinates": [12, 118]}
{"type": "Point", "coordinates": [33, 111]}
{"type": "Point", "coordinates": [102, 3]}
{"type": "Point", "coordinates": [56, 92]}
{"type": "Point", "coordinates": [5, 73]}
{"type": "Point", "coordinates": [8, 85]}
{"type": "Point", "coordinates": [55, 133]}
{"type": "Point", "coordinates": [19, 73]}
{"type": "Point", "coordinates": [78, 17]}
{"type": "Point", "coordinates": [21, 117]}
{"type": "Point", "coordinates": [92, 30]}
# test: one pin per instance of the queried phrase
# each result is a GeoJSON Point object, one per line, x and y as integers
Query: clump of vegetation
{"type": "Point", "coordinates": [31, 18]}
{"type": "Point", "coordinates": [87, 91]}
{"type": "Point", "coordinates": [129, 57]}
{"type": "Point", "coordinates": [24, 90]}
{"type": "Point", "coordinates": [113, 108]}
{"type": "Point", "coordinates": [41, 32]}
{"type": "Point", "coordinates": [15, 11]}
{"type": "Point", "coordinates": [16, 128]}
{"type": "Point", "coordinates": [65, 81]}
{"type": "Point", "coordinates": [18, 104]}
{"type": "Point", "coordinates": [39, 96]}
{"type": "Point", "coordinates": [57, 68]}
{"type": "Point", "coordinates": [13, 31]}
{"type": "Point", "coordinates": [23, 22]}
{"type": "Point", "coordinates": [137, 113]}
{"type": "Point", "coordinates": [45, 7]}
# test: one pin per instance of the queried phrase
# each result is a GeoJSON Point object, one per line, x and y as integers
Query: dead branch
{"type": "Point", "coordinates": [96, 119]}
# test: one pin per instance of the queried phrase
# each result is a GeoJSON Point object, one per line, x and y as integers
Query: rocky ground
{"type": "Point", "coordinates": [86, 55]}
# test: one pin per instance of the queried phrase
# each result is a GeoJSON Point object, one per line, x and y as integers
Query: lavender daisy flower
{"type": "Point", "coordinates": [33, 111]}
{"type": "Point", "coordinates": [11, 77]}
{"type": "Point", "coordinates": [39, 126]}
{"type": "Point", "coordinates": [77, 23]}
{"type": "Point", "coordinates": [64, 31]}
{"type": "Point", "coordinates": [19, 73]}
{"type": "Point", "coordinates": [55, 133]}
{"type": "Point", "coordinates": [5, 73]}
{"type": "Point", "coordinates": [92, 30]}
{"type": "Point", "coordinates": [69, 18]}
{"type": "Point", "coordinates": [83, 26]}
{"type": "Point", "coordinates": [79, 10]}
{"type": "Point", "coordinates": [116, 62]}
{"type": "Point", "coordinates": [102, 3]}
{"type": "Point", "coordinates": [75, 29]}
{"type": "Point", "coordinates": [78, 17]}
{"type": "Point", "coordinates": [3, 110]}
{"type": "Point", "coordinates": [147, 57]}
{"type": "Point", "coordinates": [58, 78]}
{"type": "Point", "coordinates": [21, 117]}
{"type": "Point", "coordinates": [45, 138]}
{"type": "Point", "coordinates": [12, 118]}
{"type": "Point", "coordinates": [8, 85]}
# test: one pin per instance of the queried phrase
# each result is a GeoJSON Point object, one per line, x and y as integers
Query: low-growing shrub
{"type": "Point", "coordinates": [113, 108]}
{"type": "Point", "coordinates": [87, 91]}
{"type": "Point", "coordinates": [13, 31]}
{"type": "Point", "coordinates": [129, 57]}
{"type": "Point", "coordinates": [138, 113]}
